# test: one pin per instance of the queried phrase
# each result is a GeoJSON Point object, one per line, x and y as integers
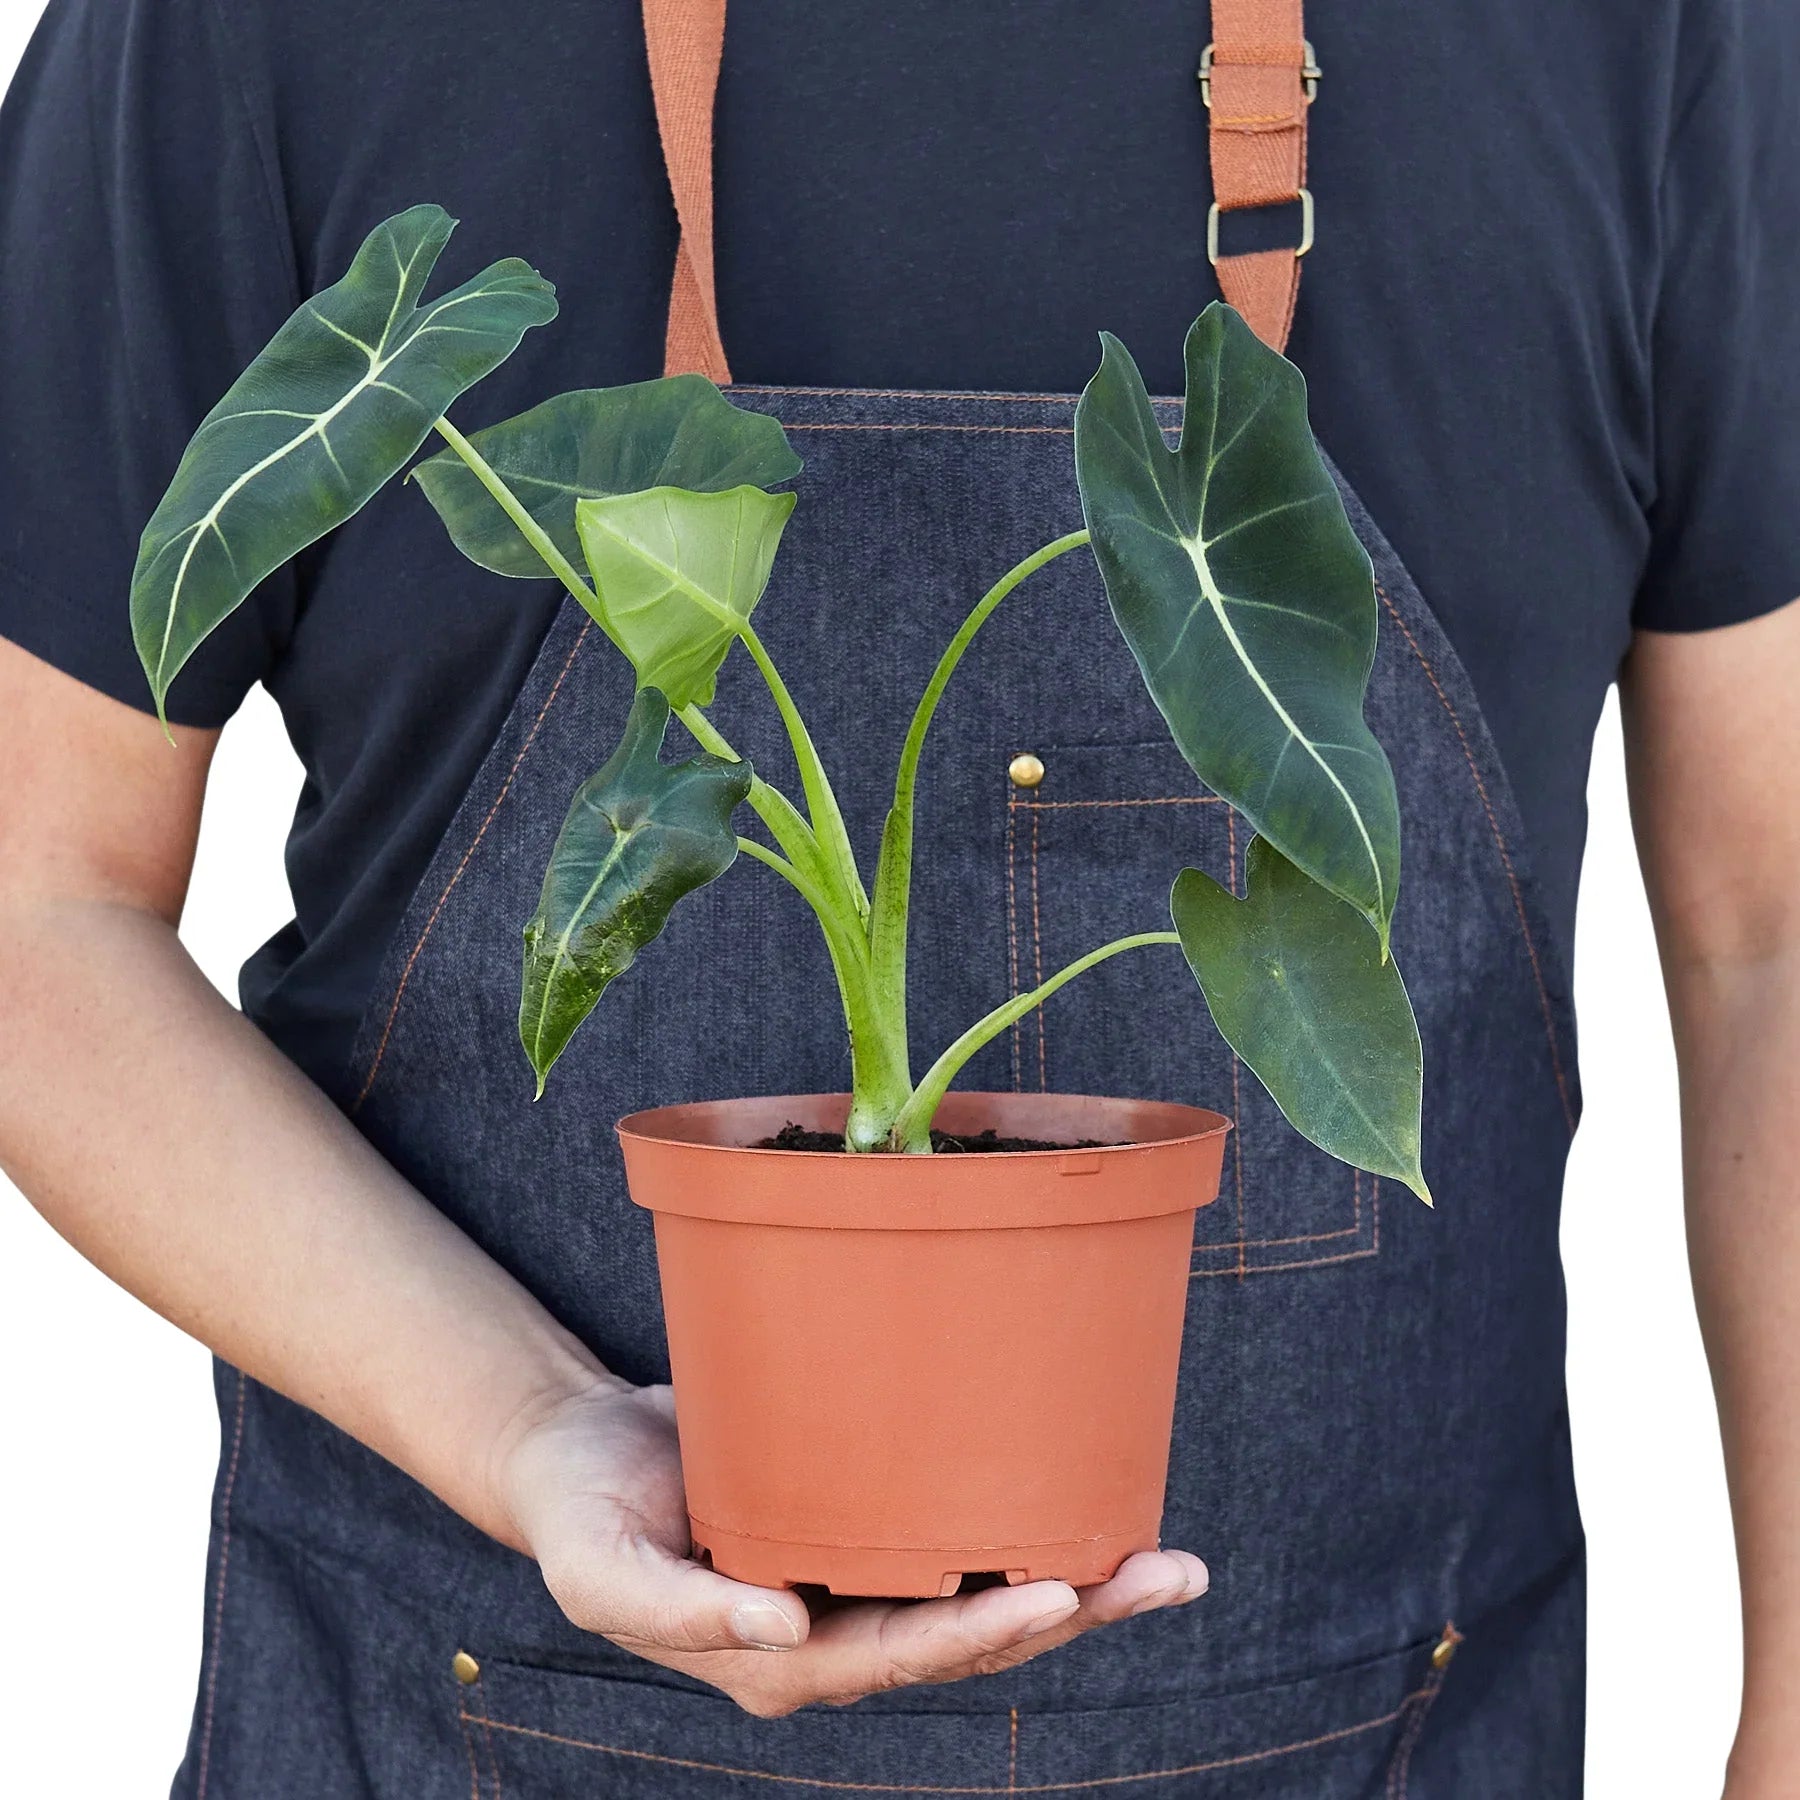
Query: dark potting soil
{"type": "Point", "coordinates": [797, 1137]}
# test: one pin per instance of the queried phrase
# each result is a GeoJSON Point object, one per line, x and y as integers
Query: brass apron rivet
{"type": "Point", "coordinates": [1025, 770]}
{"type": "Point", "coordinates": [465, 1668]}
{"type": "Point", "coordinates": [1442, 1651]}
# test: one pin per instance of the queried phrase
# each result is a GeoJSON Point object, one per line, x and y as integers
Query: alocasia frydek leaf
{"type": "Point", "coordinates": [1247, 600]}
{"type": "Point", "coordinates": [1297, 985]}
{"type": "Point", "coordinates": [340, 399]}
{"type": "Point", "coordinates": [676, 574]}
{"type": "Point", "coordinates": [677, 432]}
{"type": "Point", "coordinates": [640, 835]}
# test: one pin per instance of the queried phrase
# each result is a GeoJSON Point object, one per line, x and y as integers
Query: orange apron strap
{"type": "Point", "coordinates": [1257, 79]}
{"type": "Point", "coordinates": [686, 39]}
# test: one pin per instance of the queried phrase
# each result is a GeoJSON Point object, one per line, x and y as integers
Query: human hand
{"type": "Point", "coordinates": [595, 1492]}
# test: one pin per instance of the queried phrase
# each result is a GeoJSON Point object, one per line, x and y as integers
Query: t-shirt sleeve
{"type": "Point", "coordinates": [1725, 523]}
{"type": "Point", "coordinates": [142, 264]}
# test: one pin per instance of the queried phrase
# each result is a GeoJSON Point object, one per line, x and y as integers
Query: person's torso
{"type": "Point", "coordinates": [1371, 1438]}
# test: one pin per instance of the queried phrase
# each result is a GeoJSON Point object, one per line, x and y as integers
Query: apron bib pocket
{"type": "Point", "coordinates": [1089, 853]}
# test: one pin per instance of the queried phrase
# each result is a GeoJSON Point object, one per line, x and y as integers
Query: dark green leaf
{"type": "Point", "coordinates": [676, 574]}
{"type": "Point", "coordinates": [1247, 600]}
{"type": "Point", "coordinates": [677, 432]}
{"type": "Point", "coordinates": [339, 400]}
{"type": "Point", "coordinates": [1296, 983]}
{"type": "Point", "coordinates": [640, 835]}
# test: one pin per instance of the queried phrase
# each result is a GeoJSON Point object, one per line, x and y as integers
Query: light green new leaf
{"type": "Point", "coordinates": [640, 835]}
{"type": "Point", "coordinates": [678, 432]}
{"type": "Point", "coordinates": [1247, 600]}
{"type": "Point", "coordinates": [677, 574]}
{"type": "Point", "coordinates": [1298, 987]}
{"type": "Point", "coordinates": [341, 397]}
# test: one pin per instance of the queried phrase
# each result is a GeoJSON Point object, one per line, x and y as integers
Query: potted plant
{"type": "Point", "coordinates": [992, 1286]}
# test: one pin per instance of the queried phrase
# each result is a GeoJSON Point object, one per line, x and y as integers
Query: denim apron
{"type": "Point", "coordinates": [1371, 1441]}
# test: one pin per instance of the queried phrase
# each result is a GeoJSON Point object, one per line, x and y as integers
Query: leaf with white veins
{"type": "Point", "coordinates": [338, 401]}
{"type": "Point", "coordinates": [1247, 600]}
{"type": "Point", "coordinates": [640, 835]}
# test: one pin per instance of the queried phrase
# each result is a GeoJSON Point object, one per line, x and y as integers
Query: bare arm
{"type": "Point", "coordinates": [161, 1134]}
{"type": "Point", "coordinates": [1713, 743]}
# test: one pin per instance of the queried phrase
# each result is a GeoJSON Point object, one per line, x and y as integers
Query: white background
{"type": "Point", "coordinates": [108, 1436]}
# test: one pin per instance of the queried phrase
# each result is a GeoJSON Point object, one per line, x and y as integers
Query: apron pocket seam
{"type": "Point", "coordinates": [1413, 1709]}
{"type": "Point", "coordinates": [1013, 1745]}
{"type": "Point", "coordinates": [1421, 1702]}
{"type": "Point", "coordinates": [1514, 886]}
{"type": "Point", "coordinates": [493, 812]}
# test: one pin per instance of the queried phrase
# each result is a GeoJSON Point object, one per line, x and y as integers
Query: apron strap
{"type": "Point", "coordinates": [1257, 78]}
{"type": "Point", "coordinates": [686, 39]}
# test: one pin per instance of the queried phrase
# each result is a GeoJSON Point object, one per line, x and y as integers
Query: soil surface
{"type": "Point", "coordinates": [797, 1137]}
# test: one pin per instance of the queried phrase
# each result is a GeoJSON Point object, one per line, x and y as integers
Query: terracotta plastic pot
{"type": "Point", "coordinates": [894, 1371]}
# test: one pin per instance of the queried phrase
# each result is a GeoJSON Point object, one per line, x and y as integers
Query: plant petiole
{"type": "Point", "coordinates": [912, 1129]}
{"type": "Point", "coordinates": [528, 528]}
{"type": "Point", "coordinates": [807, 889]}
{"type": "Point", "coordinates": [821, 802]}
{"type": "Point", "coordinates": [893, 869]}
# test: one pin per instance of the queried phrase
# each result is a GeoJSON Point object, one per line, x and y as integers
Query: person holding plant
{"type": "Point", "coordinates": [452, 1545]}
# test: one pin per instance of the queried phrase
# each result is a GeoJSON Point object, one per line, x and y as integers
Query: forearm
{"type": "Point", "coordinates": [1738, 1036]}
{"type": "Point", "coordinates": [163, 1136]}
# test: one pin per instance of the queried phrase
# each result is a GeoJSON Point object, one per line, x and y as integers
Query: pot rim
{"type": "Point", "coordinates": [664, 1125]}
{"type": "Point", "coordinates": [694, 1162]}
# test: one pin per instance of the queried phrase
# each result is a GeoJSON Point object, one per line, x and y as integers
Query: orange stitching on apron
{"type": "Point", "coordinates": [450, 886]}
{"type": "Point", "coordinates": [1166, 401]}
{"type": "Point", "coordinates": [218, 1618]}
{"type": "Point", "coordinates": [1048, 1787]}
{"type": "Point", "coordinates": [1311, 1237]}
{"type": "Point", "coordinates": [1237, 1085]}
{"type": "Point", "coordinates": [1512, 877]}
{"type": "Point", "coordinates": [488, 1734]}
{"type": "Point", "coordinates": [1012, 944]}
{"type": "Point", "coordinates": [1037, 963]}
{"type": "Point", "coordinates": [1163, 800]}
{"type": "Point", "coordinates": [462, 1713]}
{"type": "Point", "coordinates": [1352, 1230]}
{"type": "Point", "coordinates": [1316, 1262]}
{"type": "Point", "coordinates": [936, 395]}
{"type": "Point", "coordinates": [1012, 1752]}
{"type": "Point", "coordinates": [1284, 1268]}
{"type": "Point", "coordinates": [1000, 430]}
{"type": "Point", "coordinates": [1400, 1770]}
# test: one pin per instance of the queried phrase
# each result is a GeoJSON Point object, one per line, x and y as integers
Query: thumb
{"type": "Point", "coordinates": [644, 1597]}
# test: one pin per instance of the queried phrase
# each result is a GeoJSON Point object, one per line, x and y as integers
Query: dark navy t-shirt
{"type": "Point", "coordinates": [1550, 323]}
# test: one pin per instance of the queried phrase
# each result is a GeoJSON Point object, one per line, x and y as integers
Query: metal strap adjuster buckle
{"type": "Point", "coordinates": [1310, 74]}
{"type": "Point", "coordinates": [1306, 227]}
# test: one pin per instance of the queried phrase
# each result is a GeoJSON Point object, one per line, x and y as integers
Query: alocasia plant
{"type": "Point", "coordinates": [1230, 566]}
